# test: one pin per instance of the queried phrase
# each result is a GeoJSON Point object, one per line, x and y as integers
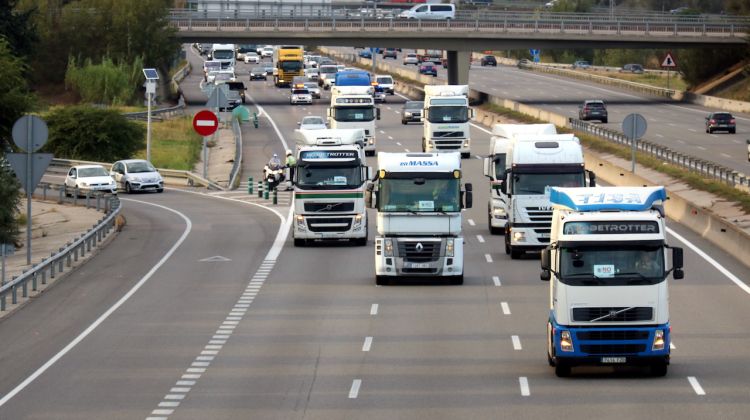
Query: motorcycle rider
{"type": "Point", "coordinates": [290, 163]}
{"type": "Point", "coordinates": [273, 170]}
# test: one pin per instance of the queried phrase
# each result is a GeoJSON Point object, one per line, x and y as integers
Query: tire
{"type": "Point", "coordinates": [299, 242]}
{"type": "Point", "coordinates": [403, 122]}
{"type": "Point", "coordinates": [658, 369]}
{"type": "Point", "coordinates": [562, 370]}
{"type": "Point", "coordinates": [128, 189]}
{"type": "Point", "coordinates": [733, 131]}
{"type": "Point", "coordinates": [604, 121]}
{"type": "Point", "coordinates": [465, 155]}
{"type": "Point", "coordinates": [360, 241]}
{"type": "Point", "coordinates": [457, 280]}
{"type": "Point", "coordinates": [710, 130]}
{"type": "Point", "coordinates": [160, 190]}
{"type": "Point", "coordinates": [507, 242]}
{"type": "Point", "coordinates": [706, 129]}
{"type": "Point", "coordinates": [381, 280]}
{"type": "Point", "coordinates": [515, 253]}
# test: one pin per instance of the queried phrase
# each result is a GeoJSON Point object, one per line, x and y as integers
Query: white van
{"type": "Point", "coordinates": [430, 11]}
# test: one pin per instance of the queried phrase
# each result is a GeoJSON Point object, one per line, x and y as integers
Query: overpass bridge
{"type": "Point", "coordinates": [488, 31]}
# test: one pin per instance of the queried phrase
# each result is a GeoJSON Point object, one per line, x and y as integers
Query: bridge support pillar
{"type": "Point", "coordinates": [459, 63]}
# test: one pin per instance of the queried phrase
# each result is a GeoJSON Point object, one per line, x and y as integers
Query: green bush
{"type": "Point", "coordinates": [88, 133]}
{"type": "Point", "coordinates": [105, 83]}
{"type": "Point", "coordinates": [10, 195]}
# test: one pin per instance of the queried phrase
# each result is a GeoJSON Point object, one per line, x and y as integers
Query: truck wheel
{"type": "Point", "coordinates": [507, 243]}
{"type": "Point", "coordinates": [457, 280]}
{"type": "Point", "coordinates": [465, 155]}
{"type": "Point", "coordinates": [515, 253]}
{"type": "Point", "coordinates": [360, 241]}
{"type": "Point", "coordinates": [299, 242]}
{"type": "Point", "coordinates": [494, 230]}
{"type": "Point", "coordinates": [658, 369]}
{"type": "Point", "coordinates": [381, 280]}
{"type": "Point", "coordinates": [562, 370]}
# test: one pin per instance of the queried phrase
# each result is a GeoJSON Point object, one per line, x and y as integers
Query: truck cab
{"type": "Point", "coordinates": [354, 107]}
{"type": "Point", "coordinates": [446, 117]}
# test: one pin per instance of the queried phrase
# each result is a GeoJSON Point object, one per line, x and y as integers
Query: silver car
{"type": "Point", "coordinates": [135, 175]}
{"type": "Point", "coordinates": [90, 178]}
{"type": "Point", "coordinates": [313, 88]}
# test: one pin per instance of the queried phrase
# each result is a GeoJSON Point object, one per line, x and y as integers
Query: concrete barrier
{"type": "Point", "coordinates": [717, 103]}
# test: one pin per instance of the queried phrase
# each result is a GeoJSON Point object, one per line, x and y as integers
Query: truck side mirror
{"type": "Point", "coordinates": [545, 275]}
{"type": "Point", "coordinates": [504, 184]}
{"type": "Point", "coordinates": [471, 113]}
{"type": "Point", "coordinates": [469, 196]}
{"type": "Point", "coordinates": [487, 167]}
{"type": "Point", "coordinates": [370, 196]}
{"type": "Point", "coordinates": [677, 262]}
{"type": "Point", "coordinates": [377, 113]}
{"type": "Point", "coordinates": [592, 178]}
{"type": "Point", "coordinates": [369, 172]}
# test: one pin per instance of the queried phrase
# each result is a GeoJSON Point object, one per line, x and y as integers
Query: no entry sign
{"type": "Point", "coordinates": [205, 123]}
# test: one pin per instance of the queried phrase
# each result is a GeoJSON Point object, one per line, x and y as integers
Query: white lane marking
{"type": "Point", "coordinates": [711, 261]}
{"type": "Point", "coordinates": [471, 222]}
{"type": "Point", "coordinates": [524, 383]}
{"type": "Point", "coordinates": [681, 141]}
{"type": "Point", "coordinates": [368, 344]}
{"type": "Point", "coordinates": [374, 309]}
{"type": "Point", "coordinates": [406, 150]}
{"type": "Point", "coordinates": [496, 280]}
{"type": "Point", "coordinates": [701, 147]}
{"type": "Point", "coordinates": [672, 346]}
{"type": "Point", "coordinates": [185, 383]}
{"type": "Point", "coordinates": [696, 386]}
{"type": "Point", "coordinates": [480, 238]}
{"type": "Point", "coordinates": [382, 132]}
{"type": "Point", "coordinates": [174, 397]}
{"type": "Point", "coordinates": [177, 390]}
{"type": "Point", "coordinates": [693, 130]}
{"type": "Point", "coordinates": [516, 342]}
{"type": "Point", "coordinates": [354, 390]}
{"type": "Point", "coordinates": [108, 312]}
{"type": "Point", "coordinates": [726, 155]}
{"type": "Point", "coordinates": [506, 308]}
{"type": "Point", "coordinates": [659, 135]}
{"type": "Point", "coordinates": [488, 257]}
{"type": "Point", "coordinates": [398, 144]}
{"type": "Point", "coordinates": [162, 412]}
{"type": "Point", "coordinates": [390, 138]}
{"type": "Point", "coordinates": [169, 404]}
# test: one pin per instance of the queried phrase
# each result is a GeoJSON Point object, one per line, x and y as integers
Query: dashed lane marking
{"type": "Point", "coordinates": [488, 257]}
{"type": "Point", "coordinates": [496, 280]}
{"type": "Point", "coordinates": [480, 238]}
{"type": "Point", "coordinates": [354, 390]}
{"type": "Point", "coordinates": [374, 309]}
{"type": "Point", "coordinates": [505, 307]}
{"type": "Point", "coordinates": [516, 342]}
{"type": "Point", "coordinates": [524, 384]}
{"type": "Point", "coordinates": [696, 385]}
{"type": "Point", "coordinates": [368, 344]}
{"type": "Point", "coordinates": [471, 222]}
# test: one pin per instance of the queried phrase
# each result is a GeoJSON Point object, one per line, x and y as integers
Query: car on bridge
{"type": "Point", "coordinates": [258, 73]}
{"type": "Point", "coordinates": [134, 175]}
{"type": "Point", "coordinates": [723, 121]}
{"type": "Point", "coordinates": [90, 178]}
{"type": "Point", "coordinates": [366, 53]}
{"type": "Point", "coordinates": [428, 68]}
{"type": "Point", "coordinates": [487, 60]}
{"type": "Point", "coordinates": [390, 52]}
{"type": "Point", "coordinates": [593, 109]}
{"type": "Point", "coordinates": [411, 58]}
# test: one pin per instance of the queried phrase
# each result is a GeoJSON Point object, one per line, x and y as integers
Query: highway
{"type": "Point", "coordinates": [680, 126]}
{"type": "Point", "coordinates": [307, 334]}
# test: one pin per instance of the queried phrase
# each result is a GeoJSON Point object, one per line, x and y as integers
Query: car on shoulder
{"type": "Point", "coordinates": [488, 60]}
{"type": "Point", "coordinates": [89, 179]}
{"type": "Point", "coordinates": [300, 96]}
{"type": "Point", "coordinates": [252, 58]}
{"type": "Point", "coordinates": [632, 68]}
{"type": "Point", "coordinates": [411, 58]}
{"type": "Point", "coordinates": [258, 73]}
{"type": "Point", "coordinates": [313, 88]}
{"type": "Point", "coordinates": [593, 109]}
{"type": "Point", "coordinates": [411, 112]}
{"type": "Point", "coordinates": [390, 53]}
{"type": "Point", "coordinates": [366, 53]}
{"type": "Point", "coordinates": [523, 63]}
{"type": "Point", "coordinates": [428, 68]}
{"type": "Point", "coordinates": [721, 121]}
{"type": "Point", "coordinates": [312, 122]}
{"type": "Point", "coordinates": [136, 175]}
{"type": "Point", "coordinates": [581, 64]}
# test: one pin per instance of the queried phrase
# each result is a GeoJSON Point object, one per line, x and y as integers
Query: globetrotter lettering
{"type": "Point", "coordinates": [310, 155]}
{"type": "Point", "coordinates": [419, 163]}
{"type": "Point", "coordinates": [598, 228]}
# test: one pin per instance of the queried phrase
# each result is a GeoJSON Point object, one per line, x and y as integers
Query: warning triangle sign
{"type": "Point", "coordinates": [668, 61]}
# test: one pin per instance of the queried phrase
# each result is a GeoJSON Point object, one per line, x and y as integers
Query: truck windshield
{"type": "Point", "coordinates": [419, 195]}
{"type": "Point", "coordinates": [321, 177]}
{"type": "Point", "coordinates": [602, 265]}
{"type": "Point", "coordinates": [223, 54]}
{"type": "Point", "coordinates": [449, 114]}
{"type": "Point", "coordinates": [350, 113]}
{"type": "Point", "coordinates": [290, 65]}
{"type": "Point", "coordinates": [537, 183]}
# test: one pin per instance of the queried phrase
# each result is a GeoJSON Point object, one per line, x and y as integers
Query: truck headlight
{"type": "Point", "coordinates": [449, 247]}
{"type": "Point", "coordinates": [498, 212]}
{"type": "Point", "coordinates": [372, 141]}
{"type": "Point", "coordinates": [407, 114]}
{"type": "Point", "coordinates": [466, 143]}
{"type": "Point", "coordinates": [388, 247]}
{"type": "Point", "coordinates": [519, 236]}
{"type": "Point", "coordinates": [301, 222]}
{"type": "Point", "coordinates": [658, 340]}
{"type": "Point", "coordinates": [566, 341]}
{"type": "Point", "coordinates": [358, 220]}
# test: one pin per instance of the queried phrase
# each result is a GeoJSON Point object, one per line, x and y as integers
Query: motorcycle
{"type": "Point", "coordinates": [273, 177]}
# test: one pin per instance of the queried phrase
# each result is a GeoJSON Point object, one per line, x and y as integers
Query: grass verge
{"type": "Point", "coordinates": [174, 144]}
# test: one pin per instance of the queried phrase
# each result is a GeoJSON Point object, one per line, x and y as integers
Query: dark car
{"type": "Point", "coordinates": [390, 52]}
{"type": "Point", "coordinates": [412, 112]}
{"type": "Point", "coordinates": [593, 110]}
{"type": "Point", "coordinates": [488, 60]}
{"type": "Point", "coordinates": [721, 121]}
{"type": "Point", "coordinates": [632, 68]}
{"type": "Point", "coordinates": [239, 87]}
{"type": "Point", "coordinates": [258, 73]}
{"type": "Point", "coordinates": [428, 68]}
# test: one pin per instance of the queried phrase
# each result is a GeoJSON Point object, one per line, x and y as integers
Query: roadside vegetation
{"type": "Point", "coordinates": [174, 144]}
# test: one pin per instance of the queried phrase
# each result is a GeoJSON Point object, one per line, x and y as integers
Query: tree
{"type": "Point", "coordinates": [15, 98]}
{"type": "Point", "coordinates": [87, 133]}
{"type": "Point", "coordinates": [18, 27]}
{"type": "Point", "coordinates": [10, 196]}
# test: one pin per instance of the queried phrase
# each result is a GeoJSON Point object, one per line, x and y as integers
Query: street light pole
{"type": "Point", "coordinates": [148, 124]}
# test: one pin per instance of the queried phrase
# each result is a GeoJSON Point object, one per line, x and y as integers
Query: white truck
{"type": "Point", "coordinates": [446, 119]}
{"type": "Point", "coordinates": [225, 54]}
{"type": "Point", "coordinates": [606, 264]}
{"type": "Point", "coordinates": [354, 107]}
{"type": "Point", "coordinates": [419, 202]}
{"type": "Point", "coordinates": [525, 161]}
{"type": "Point", "coordinates": [329, 185]}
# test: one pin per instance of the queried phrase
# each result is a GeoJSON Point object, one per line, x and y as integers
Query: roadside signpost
{"type": "Point", "coordinates": [30, 133]}
{"type": "Point", "coordinates": [205, 123]}
{"type": "Point", "coordinates": [634, 127]}
{"type": "Point", "coordinates": [669, 64]}
{"type": "Point", "coordinates": [6, 250]}
{"type": "Point", "coordinates": [151, 76]}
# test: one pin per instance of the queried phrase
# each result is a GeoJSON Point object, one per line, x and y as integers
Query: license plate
{"type": "Point", "coordinates": [544, 235]}
{"type": "Point", "coordinates": [417, 265]}
{"type": "Point", "coordinates": [613, 360]}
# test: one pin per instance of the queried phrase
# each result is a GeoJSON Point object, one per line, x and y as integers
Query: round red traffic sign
{"type": "Point", "coordinates": [205, 123]}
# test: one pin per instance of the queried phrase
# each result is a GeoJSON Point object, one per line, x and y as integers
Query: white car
{"type": "Point", "coordinates": [311, 74]}
{"type": "Point", "coordinates": [90, 178]}
{"type": "Point", "coordinates": [252, 58]}
{"type": "Point", "coordinates": [135, 175]}
{"type": "Point", "coordinates": [385, 82]}
{"type": "Point", "coordinates": [312, 122]}
{"type": "Point", "coordinates": [313, 88]}
{"type": "Point", "coordinates": [300, 96]}
{"type": "Point", "coordinates": [411, 58]}
{"type": "Point", "coordinates": [267, 52]}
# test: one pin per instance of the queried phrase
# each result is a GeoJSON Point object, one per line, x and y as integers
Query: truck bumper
{"type": "Point", "coordinates": [406, 259]}
{"type": "Point", "coordinates": [330, 227]}
{"type": "Point", "coordinates": [453, 145]}
{"type": "Point", "coordinates": [370, 145]}
{"type": "Point", "coordinates": [611, 345]}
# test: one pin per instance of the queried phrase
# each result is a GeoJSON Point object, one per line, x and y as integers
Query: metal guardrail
{"type": "Point", "coordinates": [169, 112]}
{"type": "Point", "coordinates": [237, 164]}
{"type": "Point", "coordinates": [702, 167]}
{"type": "Point", "coordinates": [66, 256]}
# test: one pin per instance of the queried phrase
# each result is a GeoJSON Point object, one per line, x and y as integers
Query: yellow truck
{"type": "Point", "coordinates": [289, 62]}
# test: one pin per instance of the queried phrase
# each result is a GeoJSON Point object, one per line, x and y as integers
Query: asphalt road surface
{"type": "Point", "coordinates": [307, 334]}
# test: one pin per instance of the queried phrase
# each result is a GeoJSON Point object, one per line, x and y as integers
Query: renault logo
{"type": "Point", "coordinates": [419, 247]}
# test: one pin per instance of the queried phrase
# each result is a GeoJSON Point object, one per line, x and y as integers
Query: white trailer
{"type": "Point", "coordinates": [607, 268]}
{"type": "Point", "coordinates": [446, 119]}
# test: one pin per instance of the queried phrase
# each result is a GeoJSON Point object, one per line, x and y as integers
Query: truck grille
{"type": "Point", "coordinates": [329, 207]}
{"type": "Point", "coordinates": [420, 270]}
{"type": "Point", "coordinates": [448, 144]}
{"type": "Point", "coordinates": [430, 251]}
{"type": "Point", "coordinates": [447, 134]}
{"type": "Point", "coordinates": [612, 335]}
{"type": "Point", "coordinates": [537, 214]}
{"type": "Point", "coordinates": [613, 348]}
{"type": "Point", "coordinates": [641, 313]}
{"type": "Point", "coordinates": [329, 224]}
